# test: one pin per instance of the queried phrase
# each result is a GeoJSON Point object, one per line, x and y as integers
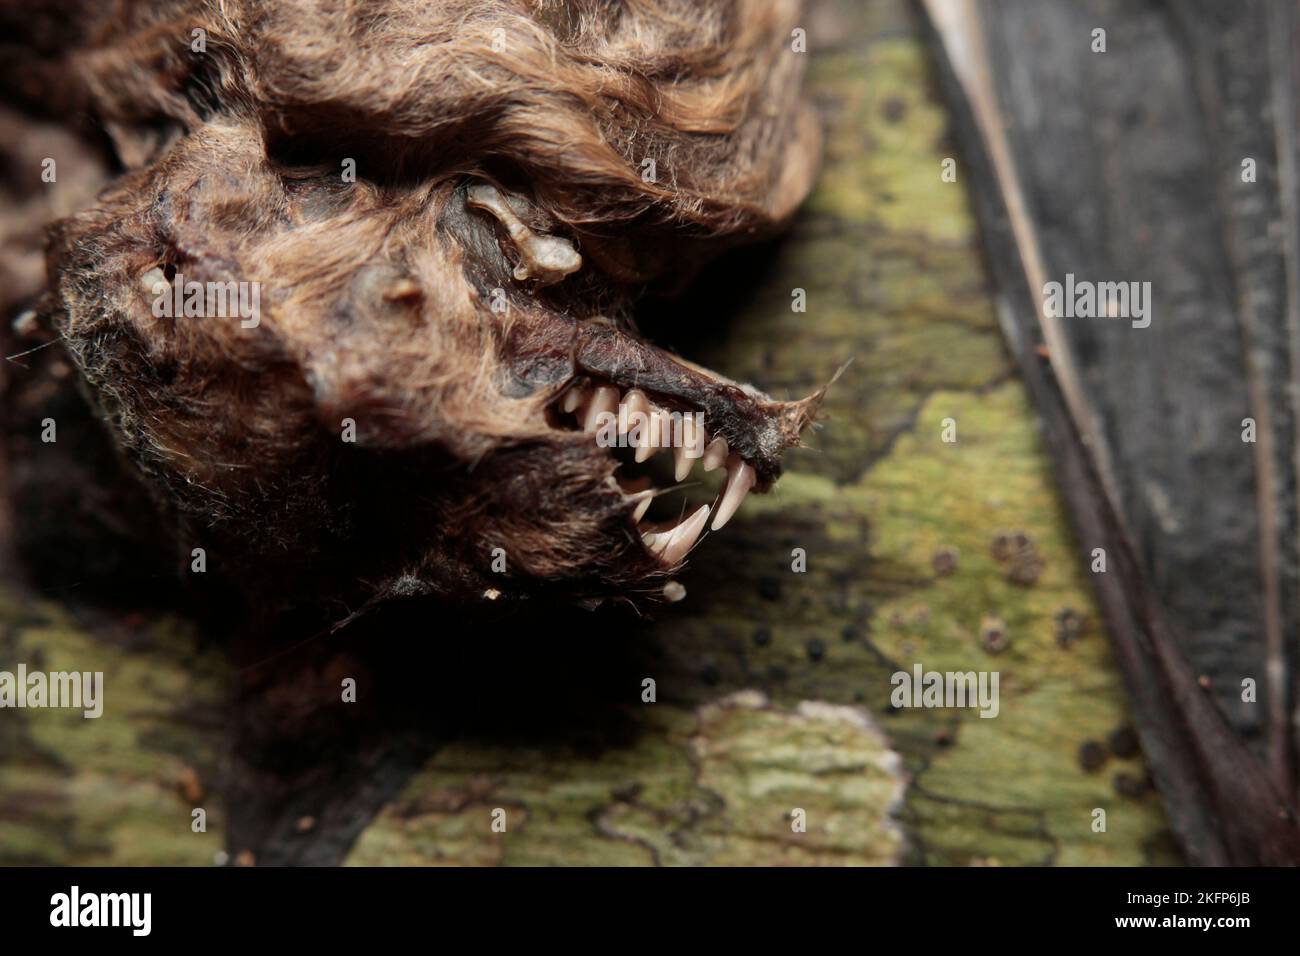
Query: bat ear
{"type": "Point", "coordinates": [137, 85]}
{"type": "Point", "coordinates": [109, 67]}
{"type": "Point", "coordinates": [137, 81]}
{"type": "Point", "coordinates": [137, 146]}
{"type": "Point", "coordinates": [802, 162]}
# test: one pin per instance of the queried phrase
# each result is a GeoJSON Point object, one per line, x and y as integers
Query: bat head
{"type": "Point", "coordinates": [360, 312]}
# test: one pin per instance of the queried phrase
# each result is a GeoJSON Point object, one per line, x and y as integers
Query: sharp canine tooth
{"type": "Point", "coordinates": [638, 490]}
{"type": "Point", "coordinates": [672, 545]}
{"type": "Point", "coordinates": [652, 434]}
{"type": "Point", "coordinates": [691, 447]}
{"type": "Point", "coordinates": [604, 399]}
{"type": "Point", "coordinates": [740, 478]}
{"type": "Point", "coordinates": [685, 535]}
{"type": "Point", "coordinates": [657, 541]}
{"type": "Point", "coordinates": [693, 437]}
{"type": "Point", "coordinates": [683, 463]}
{"type": "Point", "coordinates": [715, 454]}
{"type": "Point", "coordinates": [633, 402]}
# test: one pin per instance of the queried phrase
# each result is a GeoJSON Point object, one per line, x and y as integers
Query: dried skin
{"type": "Point", "coordinates": [500, 228]}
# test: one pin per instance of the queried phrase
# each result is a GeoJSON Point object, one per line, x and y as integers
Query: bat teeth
{"type": "Point", "coordinates": [681, 464]}
{"type": "Point", "coordinates": [604, 400]}
{"type": "Point", "coordinates": [648, 428]}
{"type": "Point", "coordinates": [634, 409]}
{"type": "Point", "coordinates": [575, 398]}
{"type": "Point", "coordinates": [674, 592]}
{"type": "Point", "coordinates": [656, 435]}
{"type": "Point", "coordinates": [740, 478]}
{"type": "Point", "coordinates": [639, 492]}
{"type": "Point", "coordinates": [672, 546]}
{"type": "Point", "coordinates": [716, 454]}
{"type": "Point", "coordinates": [690, 449]}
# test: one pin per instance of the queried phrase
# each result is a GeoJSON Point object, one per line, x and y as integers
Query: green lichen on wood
{"type": "Point", "coordinates": [1058, 685]}
{"type": "Point", "coordinates": [772, 686]}
{"type": "Point", "coordinates": [111, 789]}
{"type": "Point", "coordinates": [739, 781]}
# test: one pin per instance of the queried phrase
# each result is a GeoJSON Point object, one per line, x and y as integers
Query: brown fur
{"type": "Point", "coordinates": [376, 294]}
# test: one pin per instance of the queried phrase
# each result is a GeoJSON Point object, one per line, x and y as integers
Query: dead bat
{"type": "Point", "coordinates": [447, 213]}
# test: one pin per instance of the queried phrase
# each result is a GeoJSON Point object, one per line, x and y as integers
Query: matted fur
{"type": "Point", "coordinates": [376, 294]}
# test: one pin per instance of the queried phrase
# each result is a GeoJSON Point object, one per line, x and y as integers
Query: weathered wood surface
{"type": "Point", "coordinates": [772, 686]}
{"type": "Point", "coordinates": [1156, 143]}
